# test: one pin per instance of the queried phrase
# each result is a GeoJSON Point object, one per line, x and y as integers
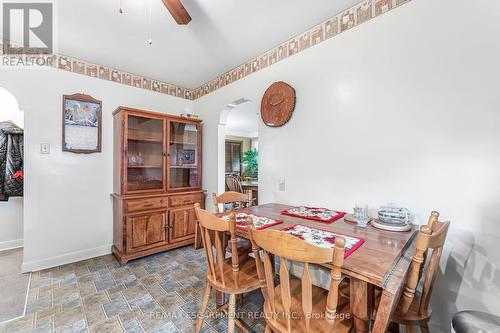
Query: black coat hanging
{"type": "Point", "coordinates": [11, 160]}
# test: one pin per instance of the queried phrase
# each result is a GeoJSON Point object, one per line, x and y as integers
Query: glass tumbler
{"type": "Point", "coordinates": [361, 215]}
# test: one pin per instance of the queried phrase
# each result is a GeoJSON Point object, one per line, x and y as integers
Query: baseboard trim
{"type": "Point", "coordinates": [63, 259]}
{"type": "Point", "coordinates": [12, 244]}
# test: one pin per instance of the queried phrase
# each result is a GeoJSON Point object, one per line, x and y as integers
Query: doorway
{"type": "Point", "coordinates": [13, 284]}
{"type": "Point", "coordinates": [239, 147]}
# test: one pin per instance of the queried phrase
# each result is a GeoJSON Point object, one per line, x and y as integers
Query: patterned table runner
{"type": "Point", "coordinates": [324, 238]}
{"type": "Point", "coordinates": [316, 214]}
{"type": "Point", "coordinates": [258, 221]}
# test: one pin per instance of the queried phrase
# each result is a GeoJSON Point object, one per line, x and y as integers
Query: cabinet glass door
{"type": "Point", "coordinates": [145, 154]}
{"type": "Point", "coordinates": [183, 155]}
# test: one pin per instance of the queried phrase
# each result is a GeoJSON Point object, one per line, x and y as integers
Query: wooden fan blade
{"type": "Point", "coordinates": [177, 10]}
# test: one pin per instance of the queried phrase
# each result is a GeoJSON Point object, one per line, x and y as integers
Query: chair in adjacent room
{"type": "Point", "coordinates": [296, 304]}
{"type": "Point", "coordinates": [233, 184]}
{"type": "Point", "coordinates": [233, 276]}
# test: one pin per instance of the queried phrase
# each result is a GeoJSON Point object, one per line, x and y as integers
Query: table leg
{"type": "Point", "coordinates": [385, 310]}
{"type": "Point", "coordinates": [361, 304]}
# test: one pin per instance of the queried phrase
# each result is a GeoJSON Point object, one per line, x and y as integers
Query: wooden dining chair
{"type": "Point", "coordinates": [232, 200]}
{"type": "Point", "coordinates": [413, 308]}
{"type": "Point", "coordinates": [233, 184]}
{"type": "Point", "coordinates": [231, 276]}
{"type": "Point", "coordinates": [296, 305]}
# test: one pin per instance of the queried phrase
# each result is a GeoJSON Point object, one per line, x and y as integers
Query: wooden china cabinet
{"type": "Point", "coordinates": [157, 181]}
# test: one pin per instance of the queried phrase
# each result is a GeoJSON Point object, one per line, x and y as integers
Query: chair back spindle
{"type": "Point", "coordinates": [234, 250]}
{"type": "Point", "coordinates": [336, 278]}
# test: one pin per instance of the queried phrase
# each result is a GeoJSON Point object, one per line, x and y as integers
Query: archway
{"type": "Point", "coordinates": [9, 108]}
{"type": "Point", "coordinates": [239, 120]}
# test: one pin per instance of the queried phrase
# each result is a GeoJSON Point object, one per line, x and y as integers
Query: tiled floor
{"type": "Point", "coordinates": [160, 293]}
{"type": "Point", "coordinates": [13, 284]}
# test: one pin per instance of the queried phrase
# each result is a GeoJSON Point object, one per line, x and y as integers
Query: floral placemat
{"type": "Point", "coordinates": [258, 221]}
{"type": "Point", "coordinates": [323, 238]}
{"type": "Point", "coordinates": [316, 214]}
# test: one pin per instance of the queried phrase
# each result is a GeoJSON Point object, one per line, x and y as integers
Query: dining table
{"type": "Point", "coordinates": [382, 261]}
{"type": "Point", "coordinates": [251, 185]}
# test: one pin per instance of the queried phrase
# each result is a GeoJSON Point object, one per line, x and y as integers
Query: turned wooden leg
{"type": "Point", "coordinates": [201, 315]}
{"type": "Point", "coordinates": [231, 313]}
{"type": "Point", "coordinates": [424, 328]}
{"type": "Point", "coordinates": [410, 329]}
{"type": "Point", "coordinates": [361, 303]}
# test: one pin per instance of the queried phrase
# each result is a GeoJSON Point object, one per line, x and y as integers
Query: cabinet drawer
{"type": "Point", "coordinates": [182, 200]}
{"type": "Point", "coordinates": [145, 204]}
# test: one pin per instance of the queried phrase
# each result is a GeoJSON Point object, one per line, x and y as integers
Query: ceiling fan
{"type": "Point", "coordinates": [177, 10]}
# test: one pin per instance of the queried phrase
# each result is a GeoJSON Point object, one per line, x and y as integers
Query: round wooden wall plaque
{"type": "Point", "coordinates": [277, 104]}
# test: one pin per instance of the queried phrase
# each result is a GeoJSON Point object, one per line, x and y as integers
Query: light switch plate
{"type": "Point", "coordinates": [44, 148]}
{"type": "Point", "coordinates": [281, 184]}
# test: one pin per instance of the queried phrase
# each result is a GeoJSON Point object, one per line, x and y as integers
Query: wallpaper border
{"type": "Point", "coordinates": [343, 21]}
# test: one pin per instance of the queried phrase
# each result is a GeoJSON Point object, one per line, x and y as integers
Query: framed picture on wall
{"type": "Point", "coordinates": [82, 127]}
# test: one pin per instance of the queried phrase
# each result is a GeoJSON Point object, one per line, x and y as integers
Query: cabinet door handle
{"type": "Point", "coordinates": [168, 227]}
{"type": "Point", "coordinates": [148, 205]}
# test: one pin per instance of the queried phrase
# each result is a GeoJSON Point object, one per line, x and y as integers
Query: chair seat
{"type": "Point", "coordinates": [248, 279]}
{"type": "Point", "coordinates": [475, 321]}
{"type": "Point", "coordinates": [319, 324]}
{"type": "Point", "coordinates": [412, 317]}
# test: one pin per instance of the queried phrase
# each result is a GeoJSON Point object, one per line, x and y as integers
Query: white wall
{"type": "Point", "coordinates": [11, 212]}
{"type": "Point", "coordinates": [68, 211]}
{"type": "Point", "coordinates": [9, 108]}
{"type": "Point", "coordinates": [243, 120]}
{"type": "Point", "coordinates": [403, 108]}
{"type": "Point", "coordinates": [11, 223]}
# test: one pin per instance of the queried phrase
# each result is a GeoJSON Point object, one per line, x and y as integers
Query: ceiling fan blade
{"type": "Point", "coordinates": [179, 13]}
